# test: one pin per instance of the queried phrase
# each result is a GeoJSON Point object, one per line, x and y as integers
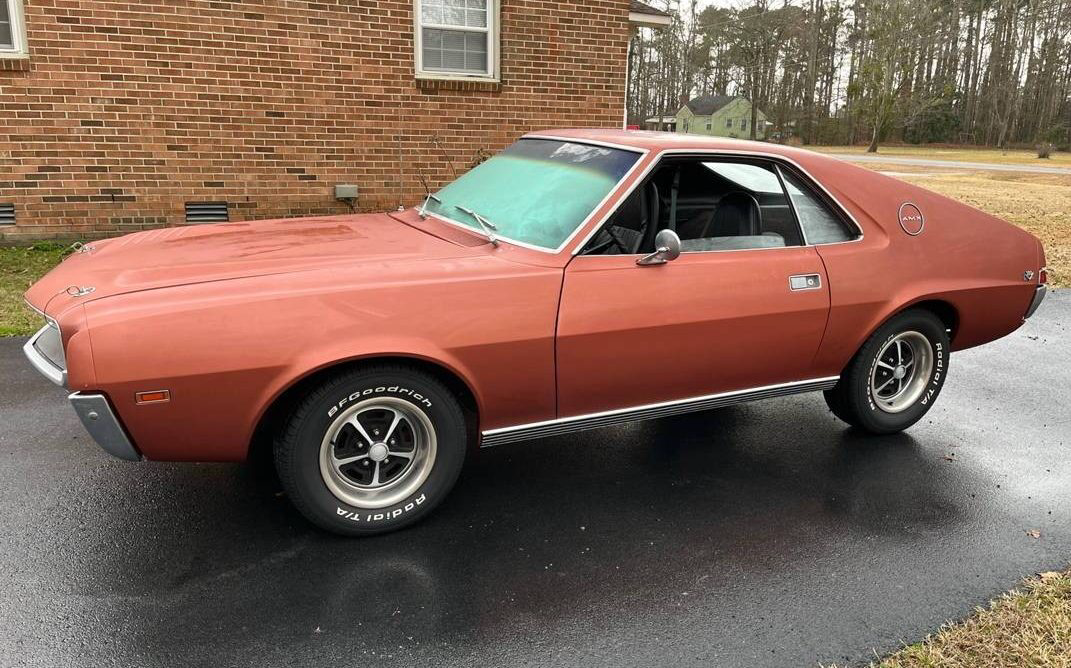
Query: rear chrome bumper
{"type": "Point", "coordinates": [1039, 296]}
{"type": "Point", "coordinates": [99, 420]}
{"type": "Point", "coordinates": [47, 339]}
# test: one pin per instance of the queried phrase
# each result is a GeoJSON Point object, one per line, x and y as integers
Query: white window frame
{"type": "Point", "coordinates": [492, 72]}
{"type": "Point", "coordinates": [18, 31]}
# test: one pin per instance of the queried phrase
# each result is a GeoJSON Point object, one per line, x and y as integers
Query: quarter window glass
{"type": "Point", "coordinates": [820, 225]}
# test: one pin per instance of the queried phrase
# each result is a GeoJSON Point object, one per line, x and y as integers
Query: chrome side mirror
{"type": "Point", "coordinates": [667, 247]}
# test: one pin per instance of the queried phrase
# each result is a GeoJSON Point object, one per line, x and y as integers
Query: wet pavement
{"type": "Point", "coordinates": [761, 535]}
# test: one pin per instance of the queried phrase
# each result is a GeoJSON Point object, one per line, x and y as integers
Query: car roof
{"type": "Point", "coordinates": [660, 141]}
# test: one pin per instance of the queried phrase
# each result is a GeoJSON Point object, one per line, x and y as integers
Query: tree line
{"type": "Point", "coordinates": [988, 72]}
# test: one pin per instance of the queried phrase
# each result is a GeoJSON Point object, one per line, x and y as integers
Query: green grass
{"type": "Point", "coordinates": [19, 268]}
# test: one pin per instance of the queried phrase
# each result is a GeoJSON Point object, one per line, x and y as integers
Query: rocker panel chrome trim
{"type": "Point", "coordinates": [576, 423]}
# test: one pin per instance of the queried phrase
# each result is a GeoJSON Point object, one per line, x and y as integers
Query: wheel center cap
{"type": "Point", "coordinates": [899, 372]}
{"type": "Point", "coordinates": [378, 452]}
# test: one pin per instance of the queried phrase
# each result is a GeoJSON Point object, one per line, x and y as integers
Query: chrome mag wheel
{"type": "Point", "coordinates": [377, 452]}
{"type": "Point", "coordinates": [902, 369]}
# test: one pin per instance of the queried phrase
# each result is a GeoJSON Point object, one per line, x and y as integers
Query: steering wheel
{"type": "Point", "coordinates": [648, 200]}
{"type": "Point", "coordinates": [612, 241]}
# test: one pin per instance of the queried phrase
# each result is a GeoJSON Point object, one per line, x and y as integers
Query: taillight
{"type": "Point", "coordinates": [1043, 275]}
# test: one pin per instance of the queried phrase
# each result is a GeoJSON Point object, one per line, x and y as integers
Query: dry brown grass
{"type": "Point", "coordinates": [1039, 203]}
{"type": "Point", "coordinates": [1029, 627]}
{"type": "Point", "coordinates": [1010, 157]}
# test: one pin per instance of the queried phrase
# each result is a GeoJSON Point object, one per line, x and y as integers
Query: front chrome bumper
{"type": "Point", "coordinates": [99, 420]}
{"type": "Point", "coordinates": [1039, 296]}
{"type": "Point", "coordinates": [45, 343]}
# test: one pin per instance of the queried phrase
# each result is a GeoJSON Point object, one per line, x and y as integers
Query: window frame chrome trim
{"type": "Point", "coordinates": [572, 424]}
{"type": "Point", "coordinates": [700, 152]}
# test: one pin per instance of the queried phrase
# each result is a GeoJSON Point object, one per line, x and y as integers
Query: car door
{"type": "Point", "coordinates": [704, 323]}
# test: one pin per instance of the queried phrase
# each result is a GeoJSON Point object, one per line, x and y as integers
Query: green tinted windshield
{"type": "Point", "coordinates": [537, 191]}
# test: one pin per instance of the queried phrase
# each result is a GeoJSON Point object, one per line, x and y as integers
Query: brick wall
{"type": "Point", "coordinates": [126, 110]}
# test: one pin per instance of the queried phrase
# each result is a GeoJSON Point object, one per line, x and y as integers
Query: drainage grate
{"type": "Point", "coordinates": [7, 214]}
{"type": "Point", "coordinates": [206, 212]}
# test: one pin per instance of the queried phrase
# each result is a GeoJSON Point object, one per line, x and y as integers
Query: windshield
{"type": "Point", "coordinates": [536, 192]}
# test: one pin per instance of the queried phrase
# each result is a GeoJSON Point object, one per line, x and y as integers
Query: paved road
{"type": "Point", "coordinates": [951, 164]}
{"type": "Point", "coordinates": [762, 535]}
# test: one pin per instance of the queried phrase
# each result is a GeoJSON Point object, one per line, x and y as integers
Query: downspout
{"type": "Point", "coordinates": [628, 77]}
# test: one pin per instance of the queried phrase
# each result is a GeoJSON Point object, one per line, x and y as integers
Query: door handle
{"type": "Point", "coordinates": [805, 282]}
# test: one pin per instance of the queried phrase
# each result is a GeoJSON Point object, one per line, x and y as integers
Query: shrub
{"type": "Point", "coordinates": [1045, 149]}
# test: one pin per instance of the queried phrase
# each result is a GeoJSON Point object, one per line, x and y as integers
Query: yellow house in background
{"type": "Point", "coordinates": [720, 116]}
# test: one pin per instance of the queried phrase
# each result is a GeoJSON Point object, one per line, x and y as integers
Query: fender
{"type": "Point", "coordinates": [368, 349]}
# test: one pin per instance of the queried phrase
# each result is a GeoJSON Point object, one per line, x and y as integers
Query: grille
{"type": "Point", "coordinates": [7, 214]}
{"type": "Point", "coordinates": [206, 212]}
{"type": "Point", "coordinates": [50, 345]}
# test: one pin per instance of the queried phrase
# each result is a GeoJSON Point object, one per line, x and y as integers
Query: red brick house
{"type": "Point", "coordinates": [119, 115]}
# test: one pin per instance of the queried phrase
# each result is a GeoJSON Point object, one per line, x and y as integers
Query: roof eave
{"type": "Point", "coordinates": [644, 20]}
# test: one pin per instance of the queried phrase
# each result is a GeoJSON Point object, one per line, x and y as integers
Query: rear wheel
{"type": "Point", "coordinates": [896, 376]}
{"type": "Point", "coordinates": [372, 451]}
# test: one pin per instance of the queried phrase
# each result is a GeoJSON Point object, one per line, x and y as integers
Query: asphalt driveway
{"type": "Point", "coordinates": [762, 535]}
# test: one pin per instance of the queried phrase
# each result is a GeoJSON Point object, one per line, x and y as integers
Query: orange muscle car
{"type": "Point", "coordinates": [577, 279]}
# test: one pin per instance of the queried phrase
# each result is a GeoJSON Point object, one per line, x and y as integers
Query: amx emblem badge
{"type": "Point", "coordinates": [911, 220]}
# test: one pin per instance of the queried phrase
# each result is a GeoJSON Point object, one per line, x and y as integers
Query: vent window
{"type": "Point", "coordinates": [7, 214]}
{"type": "Point", "coordinates": [206, 212]}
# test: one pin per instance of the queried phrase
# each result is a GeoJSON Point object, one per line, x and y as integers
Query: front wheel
{"type": "Point", "coordinates": [896, 376]}
{"type": "Point", "coordinates": [372, 451]}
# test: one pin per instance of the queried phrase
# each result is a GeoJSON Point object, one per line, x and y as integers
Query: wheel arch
{"type": "Point", "coordinates": [274, 416]}
{"type": "Point", "coordinates": [945, 311]}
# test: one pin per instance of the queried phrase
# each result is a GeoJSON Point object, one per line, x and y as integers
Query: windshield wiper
{"type": "Point", "coordinates": [423, 210]}
{"type": "Point", "coordinates": [487, 226]}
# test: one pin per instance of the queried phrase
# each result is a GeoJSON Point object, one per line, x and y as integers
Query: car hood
{"type": "Point", "coordinates": [184, 255]}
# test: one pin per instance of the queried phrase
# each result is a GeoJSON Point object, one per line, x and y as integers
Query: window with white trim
{"type": "Point", "coordinates": [728, 122]}
{"type": "Point", "coordinates": [12, 29]}
{"type": "Point", "coordinates": [456, 38]}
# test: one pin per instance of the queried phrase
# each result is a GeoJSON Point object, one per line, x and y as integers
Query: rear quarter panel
{"type": "Point", "coordinates": [963, 256]}
{"type": "Point", "coordinates": [225, 350]}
